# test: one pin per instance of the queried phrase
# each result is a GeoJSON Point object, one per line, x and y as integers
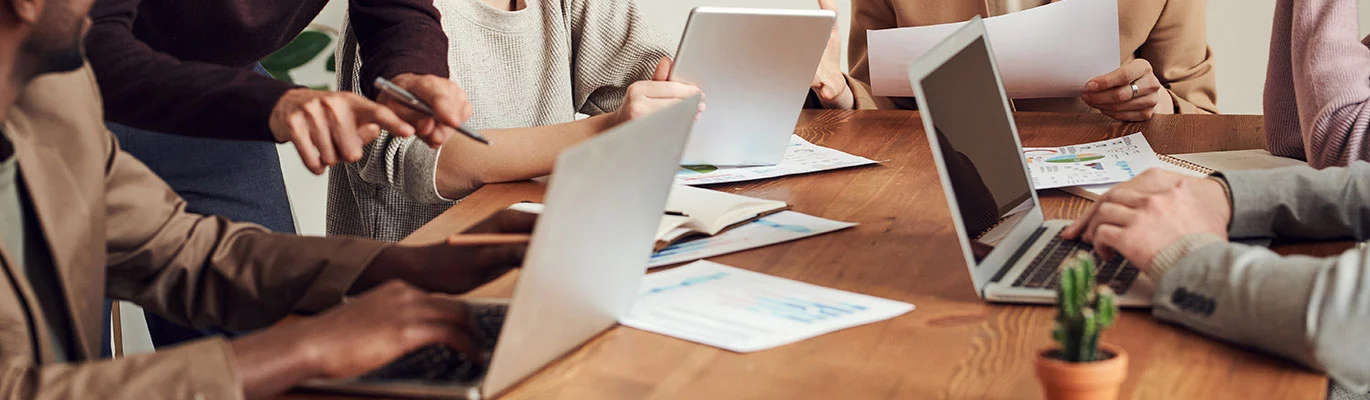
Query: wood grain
{"type": "Point", "coordinates": [953, 346]}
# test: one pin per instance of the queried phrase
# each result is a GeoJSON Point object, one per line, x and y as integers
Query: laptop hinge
{"type": "Point", "coordinates": [1017, 254]}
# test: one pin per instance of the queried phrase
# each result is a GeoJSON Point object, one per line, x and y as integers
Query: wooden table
{"type": "Point", "coordinates": [953, 345]}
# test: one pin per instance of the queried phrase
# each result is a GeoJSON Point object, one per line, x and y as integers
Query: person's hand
{"type": "Point", "coordinates": [830, 83]}
{"type": "Point", "coordinates": [1112, 93]}
{"type": "Point", "coordinates": [358, 336]}
{"type": "Point", "coordinates": [647, 97]}
{"type": "Point", "coordinates": [330, 127]}
{"type": "Point", "coordinates": [448, 100]}
{"type": "Point", "coordinates": [482, 253]}
{"type": "Point", "coordinates": [1141, 217]}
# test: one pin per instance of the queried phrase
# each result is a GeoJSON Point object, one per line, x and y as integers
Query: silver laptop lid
{"type": "Point", "coordinates": [755, 66]}
{"type": "Point", "coordinates": [591, 245]}
{"type": "Point", "coordinates": [975, 143]}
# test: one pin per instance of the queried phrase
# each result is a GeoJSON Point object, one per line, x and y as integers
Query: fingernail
{"type": "Point", "coordinates": [1092, 86]}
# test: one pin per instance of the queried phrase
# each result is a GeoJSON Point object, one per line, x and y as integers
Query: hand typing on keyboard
{"type": "Point", "coordinates": [366, 333]}
{"type": "Point", "coordinates": [1141, 217]}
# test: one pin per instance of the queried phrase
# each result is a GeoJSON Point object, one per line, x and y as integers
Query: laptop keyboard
{"type": "Point", "coordinates": [438, 363]}
{"type": "Point", "coordinates": [1044, 273]}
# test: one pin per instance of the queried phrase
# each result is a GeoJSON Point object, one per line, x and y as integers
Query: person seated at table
{"type": "Point", "coordinates": [529, 67]}
{"type": "Point", "coordinates": [1315, 311]}
{"type": "Point", "coordinates": [1317, 87]}
{"type": "Point", "coordinates": [80, 219]}
{"type": "Point", "coordinates": [1164, 52]}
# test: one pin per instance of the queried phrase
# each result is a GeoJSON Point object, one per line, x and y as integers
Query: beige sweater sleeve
{"type": "Point", "coordinates": [613, 49]}
{"type": "Point", "coordinates": [1177, 48]}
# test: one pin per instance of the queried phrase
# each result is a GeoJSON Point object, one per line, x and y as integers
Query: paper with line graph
{"type": "Point", "coordinates": [1108, 161]}
{"type": "Point", "coordinates": [745, 311]}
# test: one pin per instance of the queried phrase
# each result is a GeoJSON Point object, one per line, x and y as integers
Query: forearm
{"type": "Point", "coordinates": [513, 154]}
{"type": "Point", "coordinates": [396, 37]}
{"type": "Point", "coordinates": [1312, 310]}
{"type": "Point", "coordinates": [147, 89]}
{"type": "Point", "coordinates": [1301, 202]}
{"type": "Point", "coordinates": [274, 360]}
{"type": "Point", "coordinates": [1331, 75]}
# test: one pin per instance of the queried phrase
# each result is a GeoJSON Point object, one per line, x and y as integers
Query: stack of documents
{"type": "Point", "coordinates": [744, 311]}
{"type": "Point", "coordinates": [801, 157]}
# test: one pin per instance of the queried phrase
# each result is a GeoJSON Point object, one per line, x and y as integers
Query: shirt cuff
{"type": "Point", "coordinates": [1171, 255]}
{"type": "Point", "coordinates": [347, 258]}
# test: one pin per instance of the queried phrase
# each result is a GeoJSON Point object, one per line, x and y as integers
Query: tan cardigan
{"type": "Point", "coordinates": [1172, 35]}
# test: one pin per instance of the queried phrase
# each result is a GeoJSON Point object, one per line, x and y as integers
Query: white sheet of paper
{"type": "Point", "coordinates": [801, 157]}
{"type": "Point", "coordinates": [775, 228]}
{"type": "Point", "coordinates": [1047, 51]}
{"type": "Point", "coordinates": [744, 311]}
{"type": "Point", "coordinates": [1107, 161]}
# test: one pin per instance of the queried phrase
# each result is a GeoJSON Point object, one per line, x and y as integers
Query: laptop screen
{"type": "Point", "coordinates": [980, 154]}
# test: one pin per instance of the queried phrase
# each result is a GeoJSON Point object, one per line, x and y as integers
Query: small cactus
{"type": "Point", "coordinates": [1083, 311]}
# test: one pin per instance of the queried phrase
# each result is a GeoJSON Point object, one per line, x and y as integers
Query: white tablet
{"type": "Point", "coordinates": [755, 67]}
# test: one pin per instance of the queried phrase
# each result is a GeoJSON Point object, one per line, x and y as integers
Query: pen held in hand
{"type": "Point", "coordinates": [488, 239]}
{"type": "Point", "coordinates": [408, 99]}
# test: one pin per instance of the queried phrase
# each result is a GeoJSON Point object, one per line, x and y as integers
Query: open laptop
{"type": "Point", "coordinates": [580, 273]}
{"type": "Point", "coordinates": [755, 66]}
{"type": "Point", "coordinates": [1012, 253]}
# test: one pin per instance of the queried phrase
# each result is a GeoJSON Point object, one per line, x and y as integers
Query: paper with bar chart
{"type": "Point", "coordinates": [1108, 161]}
{"type": "Point", "coordinates": [745, 311]}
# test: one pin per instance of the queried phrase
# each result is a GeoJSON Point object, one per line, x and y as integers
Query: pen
{"type": "Point", "coordinates": [415, 103]}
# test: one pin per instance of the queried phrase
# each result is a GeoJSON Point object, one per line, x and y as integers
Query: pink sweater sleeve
{"type": "Point", "coordinates": [1317, 90]}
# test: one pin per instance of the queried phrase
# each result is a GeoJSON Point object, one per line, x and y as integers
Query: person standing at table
{"type": "Point", "coordinates": [184, 93]}
{"type": "Point", "coordinates": [1164, 46]}
{"type": "Point", "coordinates": [1317, 87]}
{"type": "Point", "coordinates": [530, 67]}
{"type": "Point", "coordinates": [80, 219]}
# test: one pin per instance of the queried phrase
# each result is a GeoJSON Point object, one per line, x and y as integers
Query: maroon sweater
{"type": "Point", "coordinates": [184, 67]}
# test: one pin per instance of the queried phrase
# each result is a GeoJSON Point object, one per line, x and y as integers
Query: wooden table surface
{"type": "Point", "coordinates": [953, 345]}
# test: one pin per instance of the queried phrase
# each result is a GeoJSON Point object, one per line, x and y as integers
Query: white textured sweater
{"type": "Point", "coordinates": [532, 67]}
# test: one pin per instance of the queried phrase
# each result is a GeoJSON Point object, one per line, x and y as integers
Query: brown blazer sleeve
{"type": "Point", "coordinates": [1177, 48]}
{"type": "Point", "coordinates": [205, 270]}
{"type": "Point", "coordinates": [202, 369]}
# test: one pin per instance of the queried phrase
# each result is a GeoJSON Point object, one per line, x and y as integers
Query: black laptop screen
{"type": "Point", "coordinates": [981, 157]}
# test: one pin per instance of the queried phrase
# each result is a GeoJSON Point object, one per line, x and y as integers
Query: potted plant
{"type": "Point", "coordinates": [1078, 367]}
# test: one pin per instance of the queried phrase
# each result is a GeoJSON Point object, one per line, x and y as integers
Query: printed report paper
{"type": "Point", "coordinates": [1108, 161]}
{"type": "Point", "coordinates": [772, 229]}
{"type": "Point", "coordinates": [745, 311]}
{"type": "Point", "coordinates": [1031, 48]}
{"type": "Point", "coordinates": [801, 157]}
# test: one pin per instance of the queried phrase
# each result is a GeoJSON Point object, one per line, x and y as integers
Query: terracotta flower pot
{"type": "Point", "coordinates": [1099, 380]}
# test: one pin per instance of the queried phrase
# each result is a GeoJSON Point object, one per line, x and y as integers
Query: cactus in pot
{"type": "Point", "coordinates": [1083, 311]}
{"type": "Point", "coordinates": [1079, 367]}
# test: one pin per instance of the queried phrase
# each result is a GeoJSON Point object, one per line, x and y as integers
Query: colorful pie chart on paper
{"type": "Point", "coordinates": [1075, 158]}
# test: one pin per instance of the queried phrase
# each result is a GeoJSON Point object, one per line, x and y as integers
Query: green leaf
{"type": "Point", "coordinates": [305, 47]}
{"type": "Point", "coordinates": [332, 64]}
{"type": "Point", "coordinates": [280, 75]}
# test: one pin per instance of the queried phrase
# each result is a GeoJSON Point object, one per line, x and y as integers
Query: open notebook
{"type": "Point", "coordinates": [1200, 165]}
{"type": "Point", "coordinates": [693, 212]}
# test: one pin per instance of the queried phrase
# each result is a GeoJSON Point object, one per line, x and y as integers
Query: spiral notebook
{"type": "Point", "coordinates": [1200, 165]}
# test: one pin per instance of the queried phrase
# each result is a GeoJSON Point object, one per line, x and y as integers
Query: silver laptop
{"type": "Point", "coordinates": [755, 66]}
{"type": "Point", "coordinates": [586, 259]}
{"type": "Point", "coordinates": [1013, 254]}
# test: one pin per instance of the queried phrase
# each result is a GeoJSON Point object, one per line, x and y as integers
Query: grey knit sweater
{"type": "Point", "coordinates": [537, 66]}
